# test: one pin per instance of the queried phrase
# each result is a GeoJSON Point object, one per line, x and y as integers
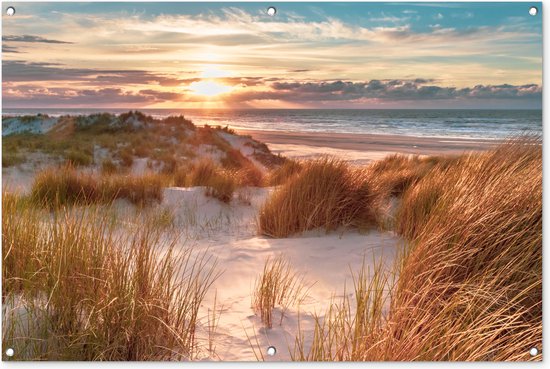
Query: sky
{"type": "Point", "coordinates": [309, 55]}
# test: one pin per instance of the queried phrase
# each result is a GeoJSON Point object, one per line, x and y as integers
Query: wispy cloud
{"type": "Point", "coordinates": [21, 71]}
{"type": "Point", "coordinates": [9, 49]}
{"type": "Point", "coordinates": [30, 38]}
{"type": "Point", "coordinates": [395, 54]}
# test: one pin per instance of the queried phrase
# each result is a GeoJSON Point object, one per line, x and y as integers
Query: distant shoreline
{"type": "Point", "coordinates": [33, 110]}
{"type": "Point", "coordinates": [364, 147]}
{"type": "Point", "coordinates": [453, 124]}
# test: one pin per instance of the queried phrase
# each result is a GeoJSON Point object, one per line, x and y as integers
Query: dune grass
{"type": "Point", "coordinates": [79, 158]}
{"type": "Point", "coordinates": [108, 166]}
{"type": "Point", "coordinates": [327, 193]}
{"type": "Point", "coordinates": [20, 236]}
{"type": "Point", "coordinates": [59, 186]}
{"type": "Point", "coordinates": [76, 289]}
{"type": "Point", "coordinates": [351, 325]}
{"type": "Point", "coordinates": [65, 185]}
{"type": "Point", "coordinates": [201, 172]}
{"type": "Point", "coordinates": [278, 285]}
{"type": "Point", "coordinates": [249, 175]}
{"type": "Point", "coordinates": [470, 282]}
{"type": "Point", "coordinates": [221, 186]}
{"type": "Point", "coordinates": [479, 243]}
{"type": "Point", "coordinates": [219, 183]}
{"type": "Point", "coordinates": [234, 159]}
{"type": "Point", "coordinates": [393, 175]}
{"type": "Point", "coordinates": [12, 159]}
{"type": "Point", "coordinates": [283, 172]}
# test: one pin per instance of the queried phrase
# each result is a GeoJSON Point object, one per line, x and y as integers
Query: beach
{"type": "Point", "coordinates": [235, 203]}
{"type": "Point", "coordinates": [242, 182]}
{"type": "Point", "coordinates": [363, 148]}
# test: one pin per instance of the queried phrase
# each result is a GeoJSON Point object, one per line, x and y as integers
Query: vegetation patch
{"type": "Point", "coordinates": [56, 187]}
{"type": "Point", "coordinates": [327, 193]}
{"type": "Point", "coordinates": [91, 293]}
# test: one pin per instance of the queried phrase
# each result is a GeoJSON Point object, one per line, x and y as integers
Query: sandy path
{"type": "Point", "coordinates": [229, 233]}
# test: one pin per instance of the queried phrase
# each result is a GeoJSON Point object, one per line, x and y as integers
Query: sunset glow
{"type": "Point", "coordinates": [208, 88]}
{"type": "Point", "coordinates": [345, 55]}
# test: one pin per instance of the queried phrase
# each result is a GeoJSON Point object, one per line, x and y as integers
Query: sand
{"type": "Point", "coordinates": [326, 260]}
{"type": "Point", "coordinates": [362, 148]}
{"type": "Point", "coordinates": [230, 233]}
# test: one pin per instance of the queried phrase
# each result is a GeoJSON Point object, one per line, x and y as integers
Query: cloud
{"type": "Point", "coordinates": [30, 38]}
{"type": "Point", "coordinates": [39, 97]}
{"type": "Point", "coordinates": [394, 90]}
{"type": "Point", "coordinates": [389, 19]}
{"type": "Point", "coordinates": [503, 92]}
{"type": "Point", "coordinates": [287, 58]}
{"type": "Point", "coordinates": [238, 27]}
{"type": "Point", "coordinates": [9, 49]}
{"type": "Point", "coordinates": [296, 92]}
{"type": "Point", "coordinates": [247, 43]}
{"type": "Point", "coordinates": [21, 71]}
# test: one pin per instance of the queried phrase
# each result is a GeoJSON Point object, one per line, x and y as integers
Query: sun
{"type": "Point", "coordinates": [209, 88]}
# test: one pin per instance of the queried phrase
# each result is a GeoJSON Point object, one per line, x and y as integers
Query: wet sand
{"type": "Point", "coordinates": [363, 147]}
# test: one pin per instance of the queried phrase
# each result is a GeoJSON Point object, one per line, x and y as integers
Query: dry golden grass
{"type": "Point", "coordinates": [278, 285]}
{"type": "Point", "coordinates": [283, 172]}
{"type": "Point", "coordinates": [350, 327]}
{"type": "Point", "coordinates": [479, 243]}
{"type": "Point", "coordinates": [138, 189]}
{"type": "Point", "coordinates": [58, 186]}
{"type": "Point", "coordinates": [221, 186]}
{"type": "Point", "coordinates": [249, 175]}
{"type": "Point", "coordinates": [77, 289]}
{"type": "Point", "coordinates": [393, 175]}
{"type": "Point", "coordinates": [470, 284]}
{"type": "Point", "coordinates": [55, 187]}
{"type": "Point", "coordinates": [201, 172]}
{"type": "Point", "coordinates": [234, 159]}
{"type": "Point", "coordinates": [108, 166]}
{"type": "Point", "coordinates": [180, 177]}
{"type": "Point", "coordinates": [327, 193]}
{"type": "Point", "coordinates": [219, 183]}
{"type": "Point", "coordinates": [20, 236]}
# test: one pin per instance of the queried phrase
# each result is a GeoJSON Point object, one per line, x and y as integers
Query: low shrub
{"type": "Point", "coordinates": [79, 158]}
{"type": "Point", "coordinates": [12, 159]}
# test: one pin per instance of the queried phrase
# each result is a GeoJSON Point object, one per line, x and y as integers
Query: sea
{"type": "Point", "coordinates": [468, 124]}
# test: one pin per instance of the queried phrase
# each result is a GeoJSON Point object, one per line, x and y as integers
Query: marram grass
{"type": "Point", "coordinates": [75, 288]}
{"type": "Point", "coordinates": [469, 284]}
